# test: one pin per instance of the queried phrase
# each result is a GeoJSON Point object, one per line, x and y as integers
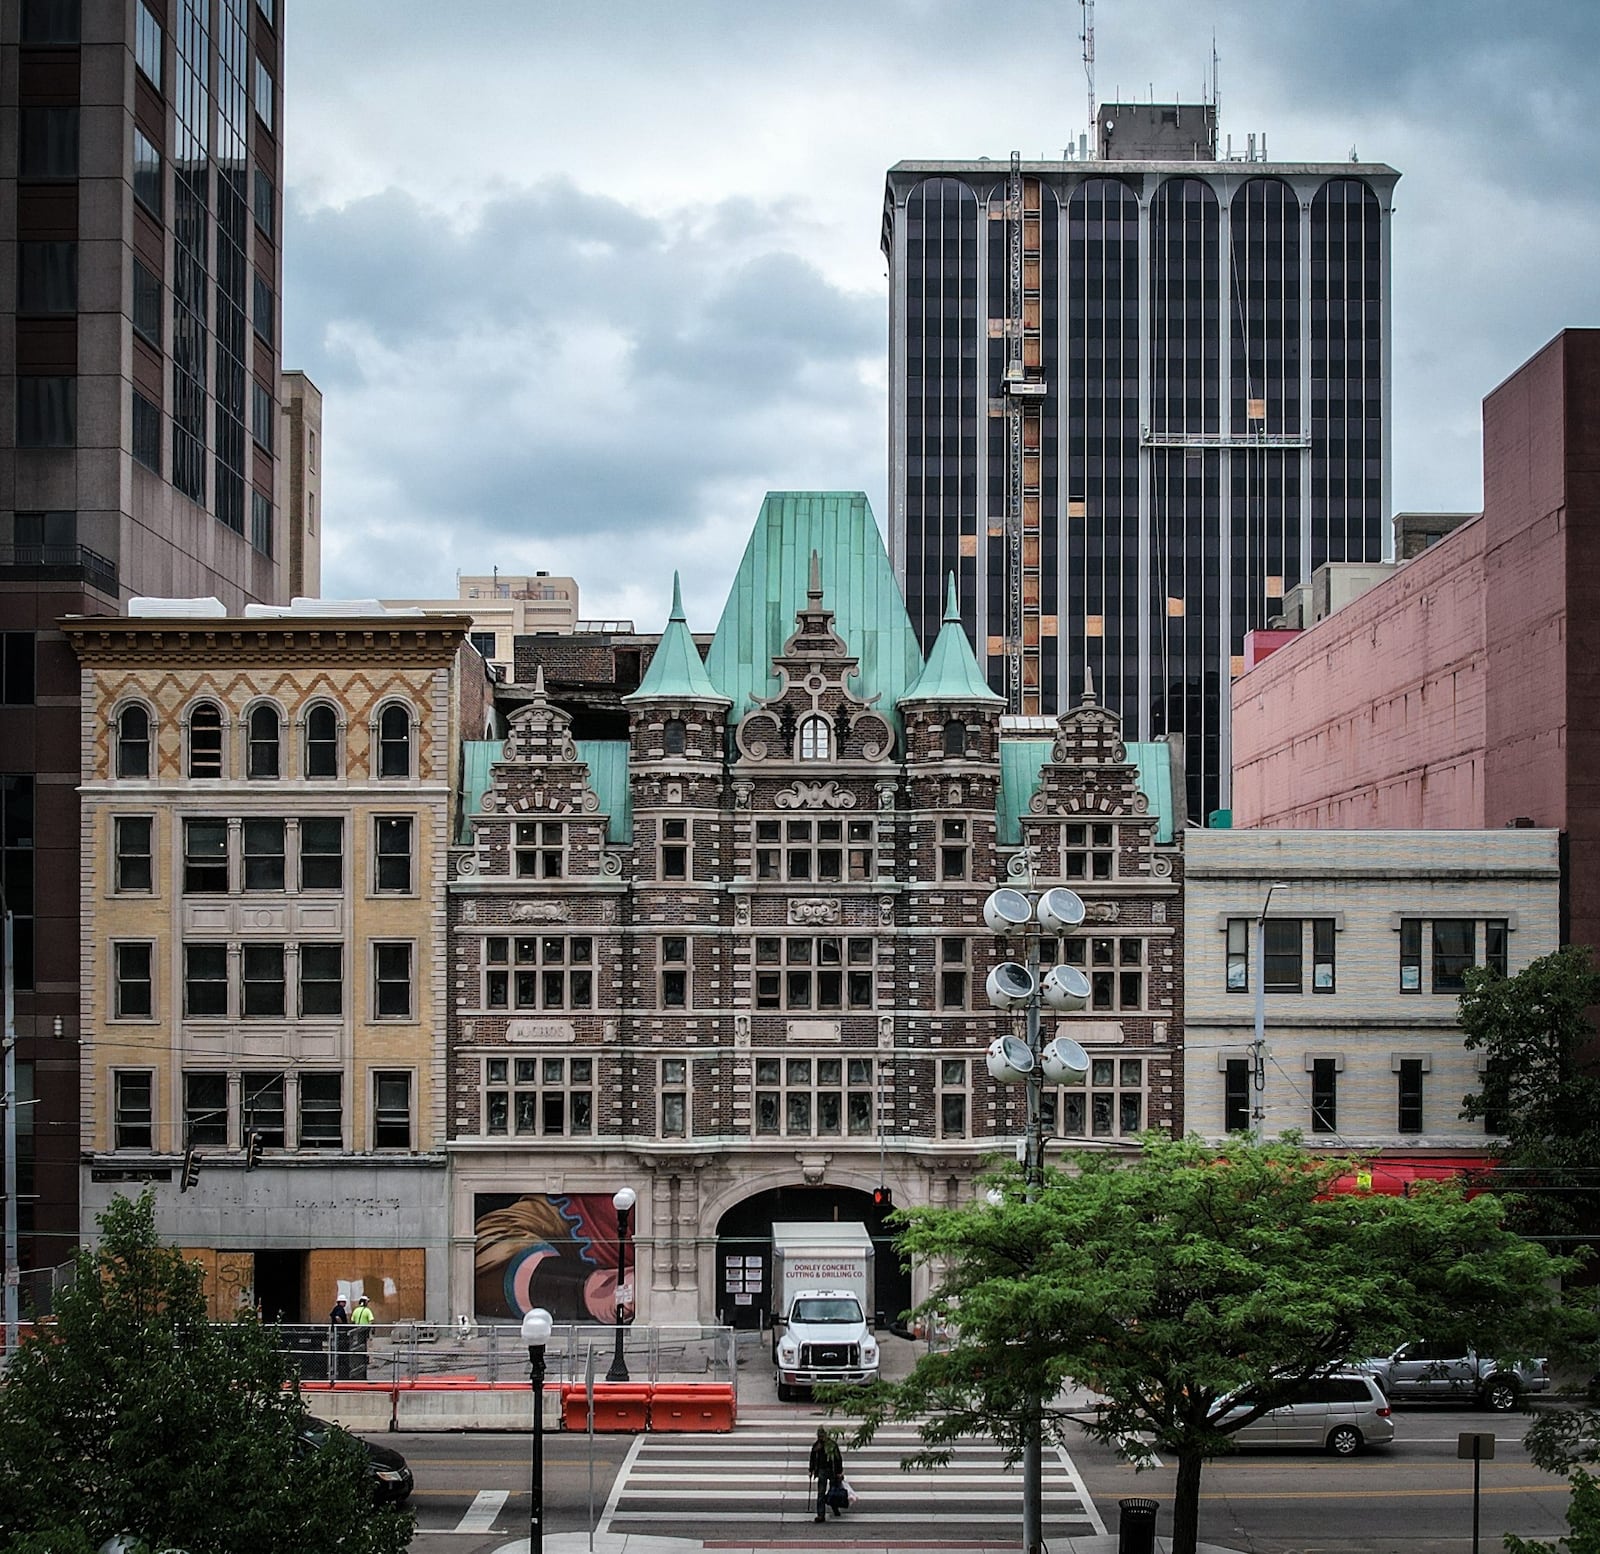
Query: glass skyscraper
{"type": "Point", "coordinates": [1196, 417]}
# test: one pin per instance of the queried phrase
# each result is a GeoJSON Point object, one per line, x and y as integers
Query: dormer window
{"type": "Point", "coordinates": [674, 736]}
{"type": "Point", "coordinates": [955, 737]}
{"type": "Point", "coordinates": [816, 739]}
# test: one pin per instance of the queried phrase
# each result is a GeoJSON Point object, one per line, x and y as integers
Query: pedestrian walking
{"type": "Point", "coordinates": [361, 1319]}
{"type": "Point", "coordinates": [827, 1468]}
{"type": "Point", "coordinates": [338, 1319]}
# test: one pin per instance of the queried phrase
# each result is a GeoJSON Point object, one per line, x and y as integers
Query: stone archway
{"type": "Point", "coordinates": [742, 1282]}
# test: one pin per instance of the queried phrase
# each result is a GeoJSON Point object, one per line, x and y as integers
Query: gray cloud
{"type": "Point", "coordinates": [581, 283]}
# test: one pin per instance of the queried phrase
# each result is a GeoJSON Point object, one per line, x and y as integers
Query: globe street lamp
{"type": "Point", "coordinates": [1014, 986]}
{"type": "Point", "coordinates": [536, 1329]}
{"type": "Point", "coordinates": [622, 1201]}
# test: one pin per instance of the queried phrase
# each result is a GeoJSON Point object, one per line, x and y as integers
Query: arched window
{"type": "Point", "coordinates": [322, 741]}
{"type": "Point", "coordinates": [816, 739]}
{"type": "Point", "coordinates": [394, 741]}
{"type": "Point", "coordinates": [674, 735]}
{"type": "Point", "coordinates": [261, 755]}
{"type": "Point", "coordinates": [205, 740]}
{"type": "Point", "coordinates": [955, 737]}
{"type": "Point", "coordinates": [133, 742]}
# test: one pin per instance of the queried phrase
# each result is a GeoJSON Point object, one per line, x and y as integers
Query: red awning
{"type": "Point", "coordinates": [1394, 1174]}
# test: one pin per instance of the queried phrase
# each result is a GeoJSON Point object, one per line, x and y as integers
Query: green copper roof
{"type": "Point", "coordinates": [1020, 760]}
{"type": "Point", "coordinates": [857, 585]}
{"type": "Point", "coordinates": [952, 672]}
{"type": "Point", "coordinates": [676, 670]}
{"type": "Point", "coordinates": [607, 760]}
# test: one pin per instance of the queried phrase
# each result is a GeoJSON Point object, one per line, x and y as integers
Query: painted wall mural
{"type": "Point", "coordinates": [556, 1250]}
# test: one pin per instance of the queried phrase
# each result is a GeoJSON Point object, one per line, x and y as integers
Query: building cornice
{"type": "Point", "coordinates": [235, 642]}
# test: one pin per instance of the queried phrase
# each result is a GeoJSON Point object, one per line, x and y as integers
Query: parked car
{"type": "Point", "coordinates": [1428, 1370]}
{"type": "Point", "coordinates": [1341, 1413]}
{"type": "Point", "coordinates": [391, 1477]}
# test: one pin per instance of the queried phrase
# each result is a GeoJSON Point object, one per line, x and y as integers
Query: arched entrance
{"type": "Point", "coordinates": [744, 1250]}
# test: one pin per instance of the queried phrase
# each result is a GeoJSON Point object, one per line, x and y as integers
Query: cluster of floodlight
{"type": "Point", "coordinates": [1011, 985]}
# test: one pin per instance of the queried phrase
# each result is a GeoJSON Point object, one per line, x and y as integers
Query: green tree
{"type": "Point", "coordinates": [132, 1412]}
{"type": "Point", "coordinates": [1186, 1282]}
{"type": "Point", "coordinates": [1541, 1087]}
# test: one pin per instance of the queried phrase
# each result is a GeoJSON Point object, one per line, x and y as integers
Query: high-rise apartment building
{"type": "Point", "coordinates": [1134, 399]}
{"type": "Point", "coordinates": [141, 164]}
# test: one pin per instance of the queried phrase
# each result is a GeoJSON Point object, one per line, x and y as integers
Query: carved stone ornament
{"type": "Point", "coordinates": [1158, 911]}
{"type": "Point", "coordinates": [741, 1030]}
{"type": "Point", "coordinates": [886, 911]}
{"type": "Point", "coordinates": [469, 910]}
{"type": "Point", "coordinates": [608, 911]}
{"type": "Point", "coordinates": [813, 912]}
{"type": "Point", "coordinates": [814, 795]}
{"type": "Point", "coordinates": [813, 1167]}
{"type": "Point", "coordinates": [1023, 863]}
{"type": "Point", "coordinates": [886, 1030]}
{"type": "Point", "coordinates": [741, 911]}
{"type": "Point", "coordinates": [885, 795]}
{"type": "Point", "coordinates": [758, 736]}
{"type": "Point", "coordinates": [1103, 911]}
{"type": "Point", "coordinates": [877, 737]}
{"type": "Point", "coordinates": [1161, 867]}
{"type": "Point", "coordinates": [953, 796]}
{"type": "Point", "coordinates": [611, 865]}
{"type": "Point", "coordinates": [742, 792]}
{"type": "Point", "coordinates": [540, 912]}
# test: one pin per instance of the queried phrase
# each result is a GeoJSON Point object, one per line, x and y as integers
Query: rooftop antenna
{"type": "Point", "coordinates": [1088, 66]}
{"type": "Point", "coordinates": [1216, 84]}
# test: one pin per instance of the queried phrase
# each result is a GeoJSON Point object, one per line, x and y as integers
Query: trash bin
{"type": "Point", "coordinates": [1136, 1527]}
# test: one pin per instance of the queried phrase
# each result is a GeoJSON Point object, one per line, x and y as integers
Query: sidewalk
{"type": "Point", "coordinates": [578, 1543]}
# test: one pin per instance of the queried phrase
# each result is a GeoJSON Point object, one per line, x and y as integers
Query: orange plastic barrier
{"type": "Point", "coordinates": [619, 1407]}
{"type": "Point", "coordinates": [691, 1407]}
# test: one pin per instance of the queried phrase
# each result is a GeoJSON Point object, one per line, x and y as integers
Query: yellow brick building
{"type": "Point", "coordinates": [267, 801]}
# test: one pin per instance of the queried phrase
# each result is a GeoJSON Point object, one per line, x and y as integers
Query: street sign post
{"type": "Point", "coordinates": [1479, 1447]}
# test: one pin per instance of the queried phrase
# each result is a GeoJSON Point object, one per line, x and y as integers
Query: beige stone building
{"type": "Point", "coordinates": [266, 805]}
{"type": "Point", "coordinates": [1367, 936]}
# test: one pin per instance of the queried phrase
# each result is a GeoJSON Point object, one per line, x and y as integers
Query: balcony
{"type": "Point", "coordinates": [59, 564]}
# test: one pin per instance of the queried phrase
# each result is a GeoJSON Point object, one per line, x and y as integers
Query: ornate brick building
{"type": "Point", "coordinates": [266, 804]}
{"type": "Point", "coordinates": [736, 962]}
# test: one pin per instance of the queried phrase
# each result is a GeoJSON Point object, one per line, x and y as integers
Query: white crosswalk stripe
{"type": "Point", "coordinates": [758, 1475]}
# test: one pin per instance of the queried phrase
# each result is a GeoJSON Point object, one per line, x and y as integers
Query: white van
{"type": "Point", "coordinates": [1342, 1413]}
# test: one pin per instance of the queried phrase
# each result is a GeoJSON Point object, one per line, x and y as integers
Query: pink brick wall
{"type": "Point", "coordinates": [1375, 716]}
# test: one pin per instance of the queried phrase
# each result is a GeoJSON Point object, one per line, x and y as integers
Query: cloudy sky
{"type": "Point", "coordinates": [581, 281]}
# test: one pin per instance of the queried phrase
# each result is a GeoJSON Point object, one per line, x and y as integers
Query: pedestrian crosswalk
{"type": "Point", "coordinates": [756, 1477]}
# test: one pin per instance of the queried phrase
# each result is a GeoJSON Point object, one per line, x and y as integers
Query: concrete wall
{"type": "Point", "coordinates": [1376, 718]}
{"type": "Point", "coordinates": [1366, 883]}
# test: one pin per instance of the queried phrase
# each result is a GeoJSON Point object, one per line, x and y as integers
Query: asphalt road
{"type": "Point", "coordinates": [1414, 1497]}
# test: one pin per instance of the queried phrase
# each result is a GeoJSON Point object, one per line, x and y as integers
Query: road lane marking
{"type": "Point", "coordinates": [480, 1515]}
{"type": "Point", "coordinates": [623, 1470]}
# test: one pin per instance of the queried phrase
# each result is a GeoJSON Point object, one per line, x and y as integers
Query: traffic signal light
{"type": "Point", "coordinates": [882, 1197]}
{"type": "Point", "coordinates": [252, 1152]}
{"type": "Point", "coordinates": [191, 1170]}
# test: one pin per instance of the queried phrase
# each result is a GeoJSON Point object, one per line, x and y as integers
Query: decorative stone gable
{"type": "Point", "coordinates": [539, 817]}
{"type": "Point", "coordinates": [1089, 772]}
{"type": "Point", "coordinates": [815, 716]}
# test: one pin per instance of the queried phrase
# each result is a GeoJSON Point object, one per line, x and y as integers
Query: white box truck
{"type": "Point", "coordinates": [822, 1292]}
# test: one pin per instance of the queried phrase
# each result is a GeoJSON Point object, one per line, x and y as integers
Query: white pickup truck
{"type": "Point", "coordinates": [822, 1291]}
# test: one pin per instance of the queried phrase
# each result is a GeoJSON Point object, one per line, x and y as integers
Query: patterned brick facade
{"type": "Point", "coordinates": [774, 979]}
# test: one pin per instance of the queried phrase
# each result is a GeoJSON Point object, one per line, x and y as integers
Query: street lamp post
{"type": "Point", "coordinates": [622, 1201]}
{"type": "Point", "coordinates": [536, 1329]}
{"type": "Point", "coordinates": [1258, 1048]}
{"type": "Point", "coordinates": [1015, 986]}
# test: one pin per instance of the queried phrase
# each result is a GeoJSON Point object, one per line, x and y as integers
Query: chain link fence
{"type": "Point", "coordinates": [423, 1353]}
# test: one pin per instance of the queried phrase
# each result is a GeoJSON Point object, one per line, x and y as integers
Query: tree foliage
{"type": "Point", "coordinates": [1541, 1086]}
{"type": "Point", "coordinates": [1184, 1282]}
{"type": "Point", "coordinates": [132, 1412]}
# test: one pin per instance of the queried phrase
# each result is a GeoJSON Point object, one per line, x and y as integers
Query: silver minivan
{"type": "Point", "coordinates": [1340, 1413]}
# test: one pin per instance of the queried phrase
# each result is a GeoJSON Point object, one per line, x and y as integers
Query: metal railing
{"type": "Point", "coordinates": [94, 568]}
{"type": "Point", "coordinates": [423, 1353]}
